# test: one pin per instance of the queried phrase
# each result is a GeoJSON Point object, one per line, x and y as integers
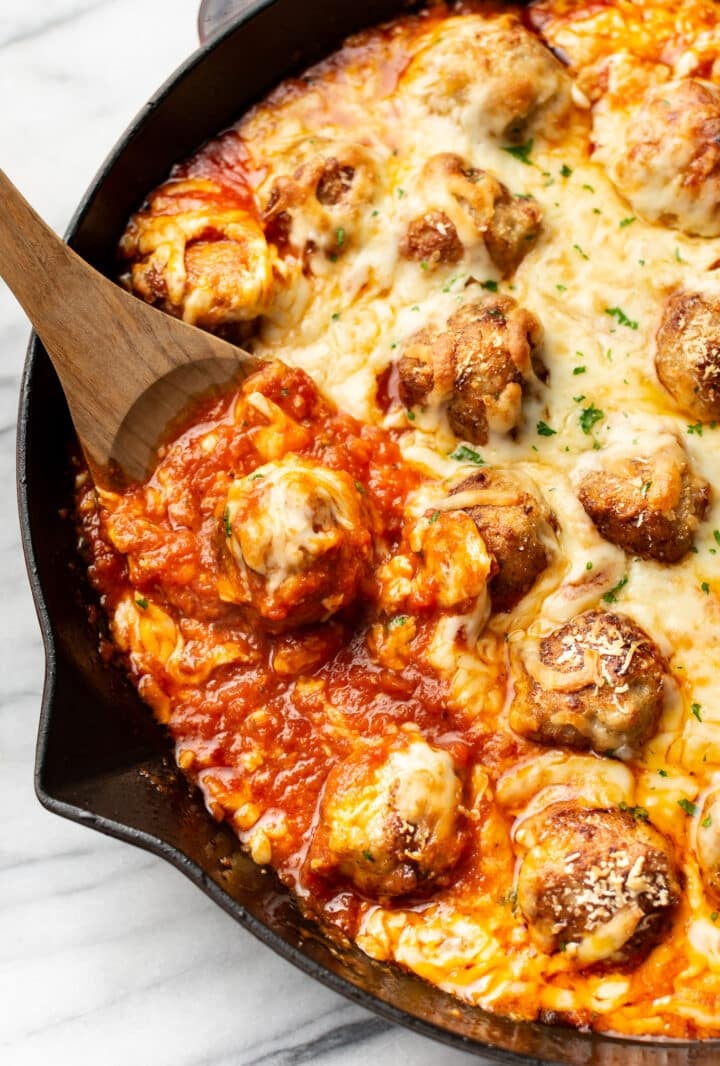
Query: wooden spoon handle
{"type": "Point", "coordinates": [108, 347]}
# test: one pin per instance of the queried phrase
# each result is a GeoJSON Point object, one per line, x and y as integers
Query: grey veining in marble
{"type": "Point", "coordinates": [108, 955]}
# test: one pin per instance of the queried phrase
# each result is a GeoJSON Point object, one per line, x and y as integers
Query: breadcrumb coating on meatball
{"type": "Point", "coordinates": [598, 884]}
{"type": "Point", "coordinates": [476, 365]}
{"type": "Point", "coordinates": [595, 683]}
{"type": "Point", "coordinates": [687, 357]}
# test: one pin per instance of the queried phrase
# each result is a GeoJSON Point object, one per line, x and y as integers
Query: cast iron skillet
{"type": "Point", "coordinates": [101, 760]}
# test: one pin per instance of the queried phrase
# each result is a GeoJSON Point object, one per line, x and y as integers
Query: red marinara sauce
{"type": "Point", "coordinates": [259, 726]}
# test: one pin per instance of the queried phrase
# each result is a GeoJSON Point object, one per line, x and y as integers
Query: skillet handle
{"type": "Point", "coordinates": [216, 15]}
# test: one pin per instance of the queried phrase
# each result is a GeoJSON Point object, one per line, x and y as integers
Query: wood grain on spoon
{"type": "Point", "coordinates": [127, 370]}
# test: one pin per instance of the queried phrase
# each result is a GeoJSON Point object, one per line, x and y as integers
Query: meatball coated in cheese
{"type": "Point", "coordinates": [491, 76]}
{"type": "Point", "coordinates": [707, 844]}
{"type": "Point", "coordinates": [516, 527]}
{"type": "Point", "coordinates": [668, 162]}
{"type": "Point", "coordinates": [596, 682]}
{"type": "Point", "coordinates": [198, 253]}
{"type": "Point", "coordinates": [391, 819]}
{"type": "Point", "coordinates": [476, 365]}
{"type": "Point", "coordinates": [597, 884]}
{"type": "Point", "coordinates": [467, 205]}
{"type": "Point", "coordinates": [650, 507]}
{"type": "Point", "coordinates": [318, 205]}
{"type": "Point", "coordinates": [296, 542]}
{"type": "Point", "coordinates": [687, 358]}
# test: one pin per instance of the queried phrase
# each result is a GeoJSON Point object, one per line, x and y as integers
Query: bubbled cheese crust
{"type": "Point", "coordinates": [353, 249]}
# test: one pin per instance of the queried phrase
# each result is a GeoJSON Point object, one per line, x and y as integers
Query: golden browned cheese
{"type": "Point", "coordinates": [431, 610]}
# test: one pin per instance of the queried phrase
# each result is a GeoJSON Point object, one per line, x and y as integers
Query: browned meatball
{"type": "Point", "coordinates": [390, 818]}
{"type": "Point", "coordinates": [516, 527]}
{"type": "Point", "coordinates": [295, 543]}
{"type": "Point", "coordinates": [599, 884]}
{"type": "Point", "coordinates": [432, 239]}
{"type": "Point", "coordinates": [477, 205]}
{"type": "Point", "coordinates": [318, 204]}
{"type": "Point", "coordinates": [596, 682]}
{"type": "Point", "coordinates": [687, 359]}
{"type": "Point", "coordinates": [668, 164]}
{"type": "Point", "coordinates": [477, 365]}
{"type": "Point", "coordinates": [648, 507]}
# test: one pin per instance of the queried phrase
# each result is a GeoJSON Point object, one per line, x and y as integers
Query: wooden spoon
{"type": "Point", "coordinates": [128, 370]}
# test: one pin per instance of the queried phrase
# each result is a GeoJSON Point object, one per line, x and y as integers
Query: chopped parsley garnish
{"type": "Point", "coordinates": [578, 399]}
{"type": "Point", "coordinates": [368, 855]}
{"type": "Point", "coordinates": [340, 237]}
{"type": "Point", "coordinates": [360, 487]}
{"type": "Point", "coordinates": [544, 430]}
{"type": "Point", "coordinates": [588, 566]}
{"type": "Point", "coordinates": [688, 807]}
{"type": "Point", "coordinates": [463, 454]}
{"type": "Point", "coordinates": [612, 595]}
{"type": "Point", "coordinates": [256, 477]}
{"type": "Point", "coordinates": [622, 318]}
{"type": "Point", "coordinates": [663, 773]}
{"type": "Point", "coordinates": [401, 193]}
{"type": "Point", "coordinates": [678, 256]}
{"type": "Point", "coordinates": [425, 265]}
{"type": "Point", "coordinates": [697, 711]}
{"type": "Point", "coordinates": [397, 621]}
{"type": "Point", "coordinates": [579, 250]}
{"type": "Point", "coordinates": [716, 535]}
{"type": "Point", "coordinates": [491, 286]}
{"type": "Point", "coordinates": [640, 814]}
{"type": "Point", "coordinates": [336, 316]}
{"type": "Point", "coordinates": [565, 170]}
{"type": "Point", "coordinates": [706, 588]}
{"type": "Point", "coordinates": [646, 488]}
{"type": "Point", "coordinates": [588, 187]}
{"type": "Point", "coordinates": [141, 602]}
{"type": "Point", "coordinates": [226, 522]}
{"type": "Point", "coordinates": [579, 370]}
{"type": "Point", "coordinates": [561, 288]}
{"type": "Point", "coordinates": [706, 822]}
{"type": "Point", "coordinates": [434, 517]}
{"type": "Point", "coordinates": [375, 213]}
{"type": "Point", "coordinates": [410, 416]}
{"type": "Point", "coordinates": [696, 429]}
{"type": "Point", "coordinates": [714, 916]}
{"type": "Point", "coordinates": [627, 221]}
{"type": "Point", "coordinates": [521, 152]}
{"type": "Point", "coordinates": [589, 417]}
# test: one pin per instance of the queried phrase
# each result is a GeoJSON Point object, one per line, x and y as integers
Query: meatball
{"type": "Point", "coordinates": [432, 239]}
{"type": "Point", "coordinates": [198, 254]}
{"type": "Point", "coordinates": [475, 204]}
{"type": "Point", "coordinates": [596, 682]}
{"type": "Point", "coordinates": [319, 204]}
{"type": "Point", "coordinates": [707, 844]}
{"type": "Point", "coordinates": [598, 884]}
{"type": "Point", "coordinates": [391, 819]}
{"type": "Point", "coordinates": [516, 527]}
{"type": "Point", "coordinates": [687, 358]}
{"type": "Point", "coordinates": [491, 75]}
{"type": "Point", "coordinates": [476, 365]}
{"type": "Point", "coordinates": [668, 163]}
{"type": "Point", "coordinates": [295, 543]}
{"type": "Point", "coordinates": [649, 507]}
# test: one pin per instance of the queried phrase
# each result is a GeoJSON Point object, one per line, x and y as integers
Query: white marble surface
{"type": "Point", "coordinates": [107, 954]}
